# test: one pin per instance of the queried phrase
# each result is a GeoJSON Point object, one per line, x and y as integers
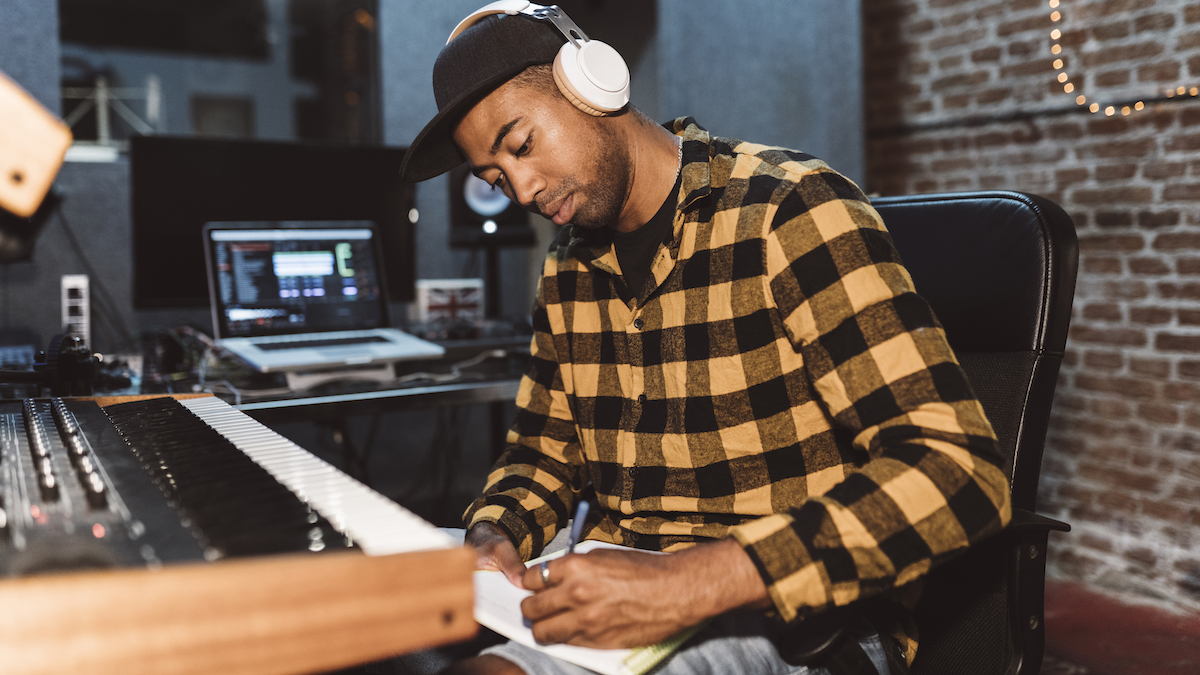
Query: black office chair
{"type": "Point", "coordinates": [999, 270]}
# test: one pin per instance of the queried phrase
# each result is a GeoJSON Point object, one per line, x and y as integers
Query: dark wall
{"type": "Point", "coordinates": [785, 73]}
{"type": "Point", "coordinates": [29, 50]}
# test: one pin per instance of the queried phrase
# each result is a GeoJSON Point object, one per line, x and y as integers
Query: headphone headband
{"type": "Point", "coordinates": [590, 74]}
{"type": "Point", "coordinates": [549, 13]}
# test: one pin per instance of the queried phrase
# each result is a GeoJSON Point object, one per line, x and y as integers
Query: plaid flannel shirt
{"type": "Point", "coordinates": [781, 383]}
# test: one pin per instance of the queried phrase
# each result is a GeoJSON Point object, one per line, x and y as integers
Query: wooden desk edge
{"type": "Point", "coordinates": [270, 615]}
{"type": "Point", "coordinates": [105, 401]}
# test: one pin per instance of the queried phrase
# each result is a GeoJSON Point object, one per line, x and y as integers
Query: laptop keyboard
{"type": "Point", "coordinates": [327, 342]}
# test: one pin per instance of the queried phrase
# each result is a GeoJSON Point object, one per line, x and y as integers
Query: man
{"type": "Point", "coordinates": [727, 352]}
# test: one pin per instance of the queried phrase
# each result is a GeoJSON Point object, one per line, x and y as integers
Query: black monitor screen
{"type": "Point", "coordinates": [178, 184]}
{"type": "Point", "coordinates": [294, 280]}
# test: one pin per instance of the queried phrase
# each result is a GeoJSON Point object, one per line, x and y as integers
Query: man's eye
{"type": "Point", "coordinates": [524, 149]}
{"type": "Point", "coordinates": [499, 184]}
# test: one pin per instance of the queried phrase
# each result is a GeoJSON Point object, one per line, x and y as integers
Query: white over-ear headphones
{"type": "Point", "coordinates": [591, 74]}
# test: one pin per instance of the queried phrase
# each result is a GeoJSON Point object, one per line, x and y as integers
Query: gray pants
{"type": "Point", "coordinates": [732, 643]}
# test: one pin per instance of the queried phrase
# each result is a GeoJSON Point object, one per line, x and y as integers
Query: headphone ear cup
{"type": "Point", "coordinates": [564, 86]}
{"type": "Point", "coordinates": [593, 78]}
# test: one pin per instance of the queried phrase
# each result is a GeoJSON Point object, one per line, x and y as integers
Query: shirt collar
{"type": "Point", "coordinates": [697, 177]}
{"type": "Point", "coordinates": [592, 246]}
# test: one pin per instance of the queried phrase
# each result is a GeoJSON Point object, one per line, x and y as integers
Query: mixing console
{"type": "Point", "coordinates": [160, 480]}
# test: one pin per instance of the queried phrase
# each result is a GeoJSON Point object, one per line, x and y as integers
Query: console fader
{"type": "Point", "coordinates": [73, 496]}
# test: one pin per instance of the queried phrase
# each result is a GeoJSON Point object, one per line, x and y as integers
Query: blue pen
{"type": "Point", "coordinates": [581, 512]}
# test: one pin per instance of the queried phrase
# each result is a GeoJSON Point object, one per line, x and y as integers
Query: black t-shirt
{"type": "Point", "coordinates": [635, 250]}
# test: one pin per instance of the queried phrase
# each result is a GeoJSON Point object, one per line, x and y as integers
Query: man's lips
{"type": "Point", "coordinates": [561, 212]}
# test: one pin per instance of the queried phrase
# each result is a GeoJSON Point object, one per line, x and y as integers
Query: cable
{"type": "Point", "coordinates": [5, 312]}
{"type": "Point", "coordinates": [455, 369]}
{"type": "Point", "coordinates": [106, 302]}
{"type": "Point", "coordinates": [1015, 116]}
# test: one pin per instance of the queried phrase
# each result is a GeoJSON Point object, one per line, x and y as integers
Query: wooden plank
{"type": "Point", "coordinates": [264, 616]}
{"type": "Point", "coordinates": [32, 145]}
{"type": "Point", "coordinates": [104, 401]}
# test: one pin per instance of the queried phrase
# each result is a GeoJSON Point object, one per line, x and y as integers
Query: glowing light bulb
{"type": "Point", "coordinates": [1068, 87]}
{"type": "Point", "coordinates": [489, 227]}
{"type": "Point", "coordinates": [1109, 111]}
{"type": "Point", "coordinates": [1055, 16]}
{"type": "Point", "coordinates": [1139, 105]}
{"type": "Point", "coordinates": [1058, 64]}
{"type": "Point", "coordinates": [1181, 91]}
{"type": "Point", "coordinates": [1080, 100]}
{"type": "Point", "coordinates": [1095, 107]}
{"type": "Point", "coordinates": [1055, 34]}
{"type": "Point", "coordinates": [1062, 77]}
{"type": "Point", "coordinates": [1125, 110]}
{"type": "Point", "coordinates": [1056, 49]}
{"type": "Point", "coordinates": [1053, 4]}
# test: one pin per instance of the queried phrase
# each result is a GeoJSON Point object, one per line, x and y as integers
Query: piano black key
{"type": "Point", "coordinates": [238, 507]}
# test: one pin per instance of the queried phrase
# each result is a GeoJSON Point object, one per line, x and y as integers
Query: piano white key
{"type": "Point", "coordinates": [377, 524]}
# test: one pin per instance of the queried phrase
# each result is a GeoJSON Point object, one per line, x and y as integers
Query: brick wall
{"type": "Point", "coordinates": [966, 94]}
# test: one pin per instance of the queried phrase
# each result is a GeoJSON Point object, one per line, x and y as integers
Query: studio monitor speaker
{"type": "Point", "coordinates": [482, 216]}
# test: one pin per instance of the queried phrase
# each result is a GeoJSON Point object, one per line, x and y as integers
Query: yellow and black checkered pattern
{"type": "Point", "coordinates": [782, 383]}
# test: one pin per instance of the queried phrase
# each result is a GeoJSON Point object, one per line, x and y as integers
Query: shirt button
{"type": "Point", "coordinates": [642, 399]}
{"type": "Point", "coordinates": [638, 323]}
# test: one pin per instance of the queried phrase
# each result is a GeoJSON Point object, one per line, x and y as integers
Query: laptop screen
{"type": "Point", "coordinates": [293, 278]}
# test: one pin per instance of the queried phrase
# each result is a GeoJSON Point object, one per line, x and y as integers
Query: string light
{"type": "Point", "coordinates": [1069, 87]}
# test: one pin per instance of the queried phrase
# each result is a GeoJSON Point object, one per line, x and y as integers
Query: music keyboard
{"type": "Point", "coordinates": [375, 523]}
{"type": "Point", "coordinates": [161, 480]}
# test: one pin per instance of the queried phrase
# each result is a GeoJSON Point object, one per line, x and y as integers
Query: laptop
{"type": "Point", "coordinates": [291, 296]}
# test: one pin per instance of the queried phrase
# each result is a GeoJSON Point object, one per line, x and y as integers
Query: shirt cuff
{"type": "Point", "coordinates": [793, 579]}
{"type": "Point", "coordinates": [504, 518]}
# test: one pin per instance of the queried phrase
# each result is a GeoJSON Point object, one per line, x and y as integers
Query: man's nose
{"type": "Point", "coordinates": [525, 187]}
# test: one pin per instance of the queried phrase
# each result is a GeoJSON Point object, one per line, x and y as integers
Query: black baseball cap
{"type": "Point", "coordinates": [473, 65]}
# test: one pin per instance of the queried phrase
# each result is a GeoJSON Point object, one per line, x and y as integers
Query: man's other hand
{"type": "Point", "coordinates": [495, 552]}
{"type": "Point", "coordinates": [610, 599]}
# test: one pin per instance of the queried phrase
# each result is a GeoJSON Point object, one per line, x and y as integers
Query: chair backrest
{"type": "Point", "coordinates": [998, 268]}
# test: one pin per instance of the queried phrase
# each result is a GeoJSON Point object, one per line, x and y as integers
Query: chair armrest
{"type": "Point", "coordinates": [1023, 521]}
{"type": "Point", "coordinates": [1028, 533]}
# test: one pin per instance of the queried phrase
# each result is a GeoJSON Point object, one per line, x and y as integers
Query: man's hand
{"type": "Point", "coordinates": [495, 551]}
{"type": "Point", "coordinates": [611, 599]}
